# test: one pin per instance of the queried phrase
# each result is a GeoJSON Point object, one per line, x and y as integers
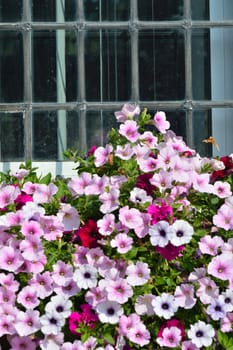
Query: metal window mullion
{"type": "Point", "coordinates": [134, 51]}
{"type": "Point", "coordinates": [27, 63]}
{"type": "Point", "coordinates": [188, 73]}
{"type": "Point", "coordinates": [81, 75]}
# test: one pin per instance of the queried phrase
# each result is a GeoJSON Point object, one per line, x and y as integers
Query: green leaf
{"type": "Point", "coordinates": [225, 340]}
{"type": "Point", "coordinates": [46, 179]}
{"type": "Point", "coordinates": [109, 338]}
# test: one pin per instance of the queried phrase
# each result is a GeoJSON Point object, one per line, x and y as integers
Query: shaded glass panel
{"type": "Point", "coordinates": [107, 65]}
{"type": "Point", "coordinates": [156, 10]}
{"type": "Point", "coordinates": [11, 66]}
{"type": "Point", "coordinates": [11, 137]}
{"type": "Point", "coordinates": [106, 10]}
{"type": "Point", "coordinates": [200, 9]}
{"type": "Point", "coordinates": [222, 126]}
{"type": "Point", "coordinates": [44, 11]}
{"type": "Point", "coordinates": [201, 79]}
{"type": "Point", "coordinates": [45, 145]}
{"type": "Point", "coordinates": [221, 10]}
{"type": "Point", "coordinates": [201, 131]}
{"type": "Point", "coordinates": [161, 65]}
{"type": "Point", "coordinates": [221, 63]}
{"type": "Point", "coordinates": [98, 124]}
{"type": "Point", "coordinates": [11, 10]}
{"type": "Point", "coordinates": [53, 66]}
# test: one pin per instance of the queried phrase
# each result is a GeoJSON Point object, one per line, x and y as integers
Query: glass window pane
{"type": "Point", "coordinates": [222, 126]}
{"type": "Point", "coordinates": [11, 10]}
{"type": "Point", "coordinates": [221, 10]}
{"type": "Point", "coordinates": [98, 124]}
{"type": "Point", "coordinates": [201, 64]}
{"type": "Point", "coordinates": [200, 9]}
{"type": "Point", "coordinates": [107, 65]}
{"type": "Point", "coordinates": [44, 10]}
{"type": "Point", "coordinates": [201, 131]}
{"type": "Point", "coordinates": [221, 63]}
{"type": "Point", "coordinates": [11, 137]}
{"type": "Point", "coordinates": [11, 66]}
{"type": "Point", "coordinates": [45, 143]}
{"type": "Point", "coordinates": [106, 10]}
{"type": "Point", "coordinates": [161, 64]}
{"type": "Point", "coordinates": [54, 63]}
{"type": "Point", "coordinates": [156, 10]}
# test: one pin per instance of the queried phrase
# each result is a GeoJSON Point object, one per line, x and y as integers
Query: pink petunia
{"type": "Point", "coordinates": [160, 122]}
{"type": "Point", "coordinates": [129, 130]}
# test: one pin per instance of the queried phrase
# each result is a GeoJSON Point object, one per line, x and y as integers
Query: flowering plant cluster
{"type": "Point", "coordinates": [136, 251]}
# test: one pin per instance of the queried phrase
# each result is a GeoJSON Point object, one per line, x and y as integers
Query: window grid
{"type": "Point", "coordinates": [134, 25]}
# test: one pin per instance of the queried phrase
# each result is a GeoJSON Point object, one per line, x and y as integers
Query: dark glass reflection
{"type": "Point", "coordinates": [98, 124]}
{"type": "Point", "coordinates": [107, 65]}
{"type": "Point", "coordinates": [45, 136]}
{"type": "Point", "coordinates": [106, 10]}
{"type": "Point", "coordinates": [161, 65]}
{"type": "Point", "coordinates": [44, 10]}
{"type": "Point", "coordinates": [200, 9]}
{"type": "Point", "coordinates": [202, 130]}
{"type": "Point", "coordinates": [12, 137]}
{"type": "Point", "coordinates": [11, 66]}
{"type": "Point", "coordinates": [157, 10]}
{"type": "Point", "coordinates": [201, 75]}
{"type": "Point", "coordinates": [11, 10]}
{"type": "Point", "coordinates": [55, 66]}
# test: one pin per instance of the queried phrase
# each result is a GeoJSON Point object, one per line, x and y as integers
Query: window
{"type": "Point", "coordinates": [66, 66]}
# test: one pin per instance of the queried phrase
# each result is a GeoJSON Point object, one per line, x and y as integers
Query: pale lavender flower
{"type": "Point", "coordinates": [170, 338]}
{"type": "Point", "coordinates": [86, 276]}
{"type": "Point", "coordinates": [210, 245]}
{"type": "Point", "coordinates": [128, 111]}
{"type": "Point", "coordinates": [106, 225]}
{"type": "Point", "coordinates": [28, 297]}
{"type": "Point", "coordinates": [188, 345]}
{"type": "Point", "coordinates": [8, 281]}
{"type": "Point", "coordinates": [43, 283]}
{"type": "Point", "coordinates": [53, 227]}
{"type": "Point", "coordinates": [44, 193]}
{"type": "Point", "coordinates": [69, 217]}
{"type": "Point", "coordinates": [77, 184]}
{"type": "Point", "coordinates": [201, 334]}
{"type": "Point", "coordinates": [10, 259]}
{"type": "Point", "coordinates": [129, 130]}
{"type": "Point", "coordinates": [162, 180]}
{"type": "Point", "coordinates": [184, 295]}
{"type": "Point", "coordinates": [19, 343]}
{"type": "Point", "coordinates": [160, 233]}
{"type": "Point", "coordinates": [8, 194]}
{"type": "Point", "coordinates": [181, 233]}
{"type": "Point", "coordinates": [197, 274]}
{"type": "Point", "coordinates": [147, 164]}
{"type": "Point", "coordinates": [124, 152]}
{"type": "Point", "coordinates": [31, 248]}
{"type": "Point", "coordinates": [95, 295]}
{"type": "Point", "coordinates": [90, 343]}
{"type": "Point", "coordinates": [227, 297]}
{"type": "Point", "coordinates": [109, 200]}
{"type": "Point", "coordinates": [216, 309]}
{"type": "Point", "coordinates": [149, 139]}
{"type": "Point", "coordinates": [207, 290]}
{"type": "Point", "coordinates": [165, 305]}
{"type": "Point", "coordinates": [27, 322]}
{"type": "Point", "coordinates": [221, 266]}
{"type": "Point", "coordinates": [53, 342]}
{"type": "Point", "coordinates": [138, 274]}
{"type": "Point", "coordinates": [97, 185]}
{"type": "Point", "coordinates": [122, 242]}
{"type": "Point", "coordinates": [119, 290]}
{"type": "Point", "coordinates": [222, 189]}
{"type": "Point", "coordinates": [62, 273]}
{"type": "Point", "coordinates": [143, 230]}
{"type": "Point", "coordinates": [201, 182]}
{"type": "Point", "coordinates": [7, 296]}
{"type": "Point", "coordinates": [160, 122]}
{"type": "Point", "coordinates": [32, 211]}
{"type": "Point", "coordinates": [102, 154]}
{"type": "Point", "coordinates": [138, 195]}
{"type": "Point", "coordinates": [69, 290]}
{"type": "Point", "coordinates": [6, 325]}
{"type": "Point", "coordinates": [126, 323]}
{"type": "Point", "coordinates": [226, 323]}
{"type": "Point", "coordinates": [109, 311]}
{"type": "Point", "coordinates": [224, 217]}
{"type": "Point", "coordinates": [59, 304]}
{"type": "Point", "coordinates": [19, 173]}
{"type": "Point", "coordinates": [139, 335]}
{"type": "Point", "coordinates": [51, 322]}
{"type": "Point", "coordinates": [227, 247]}
{"type": "Point", "coordinates": [130, 217]}
{"type": "Point", "coordinates": [143, 305]}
